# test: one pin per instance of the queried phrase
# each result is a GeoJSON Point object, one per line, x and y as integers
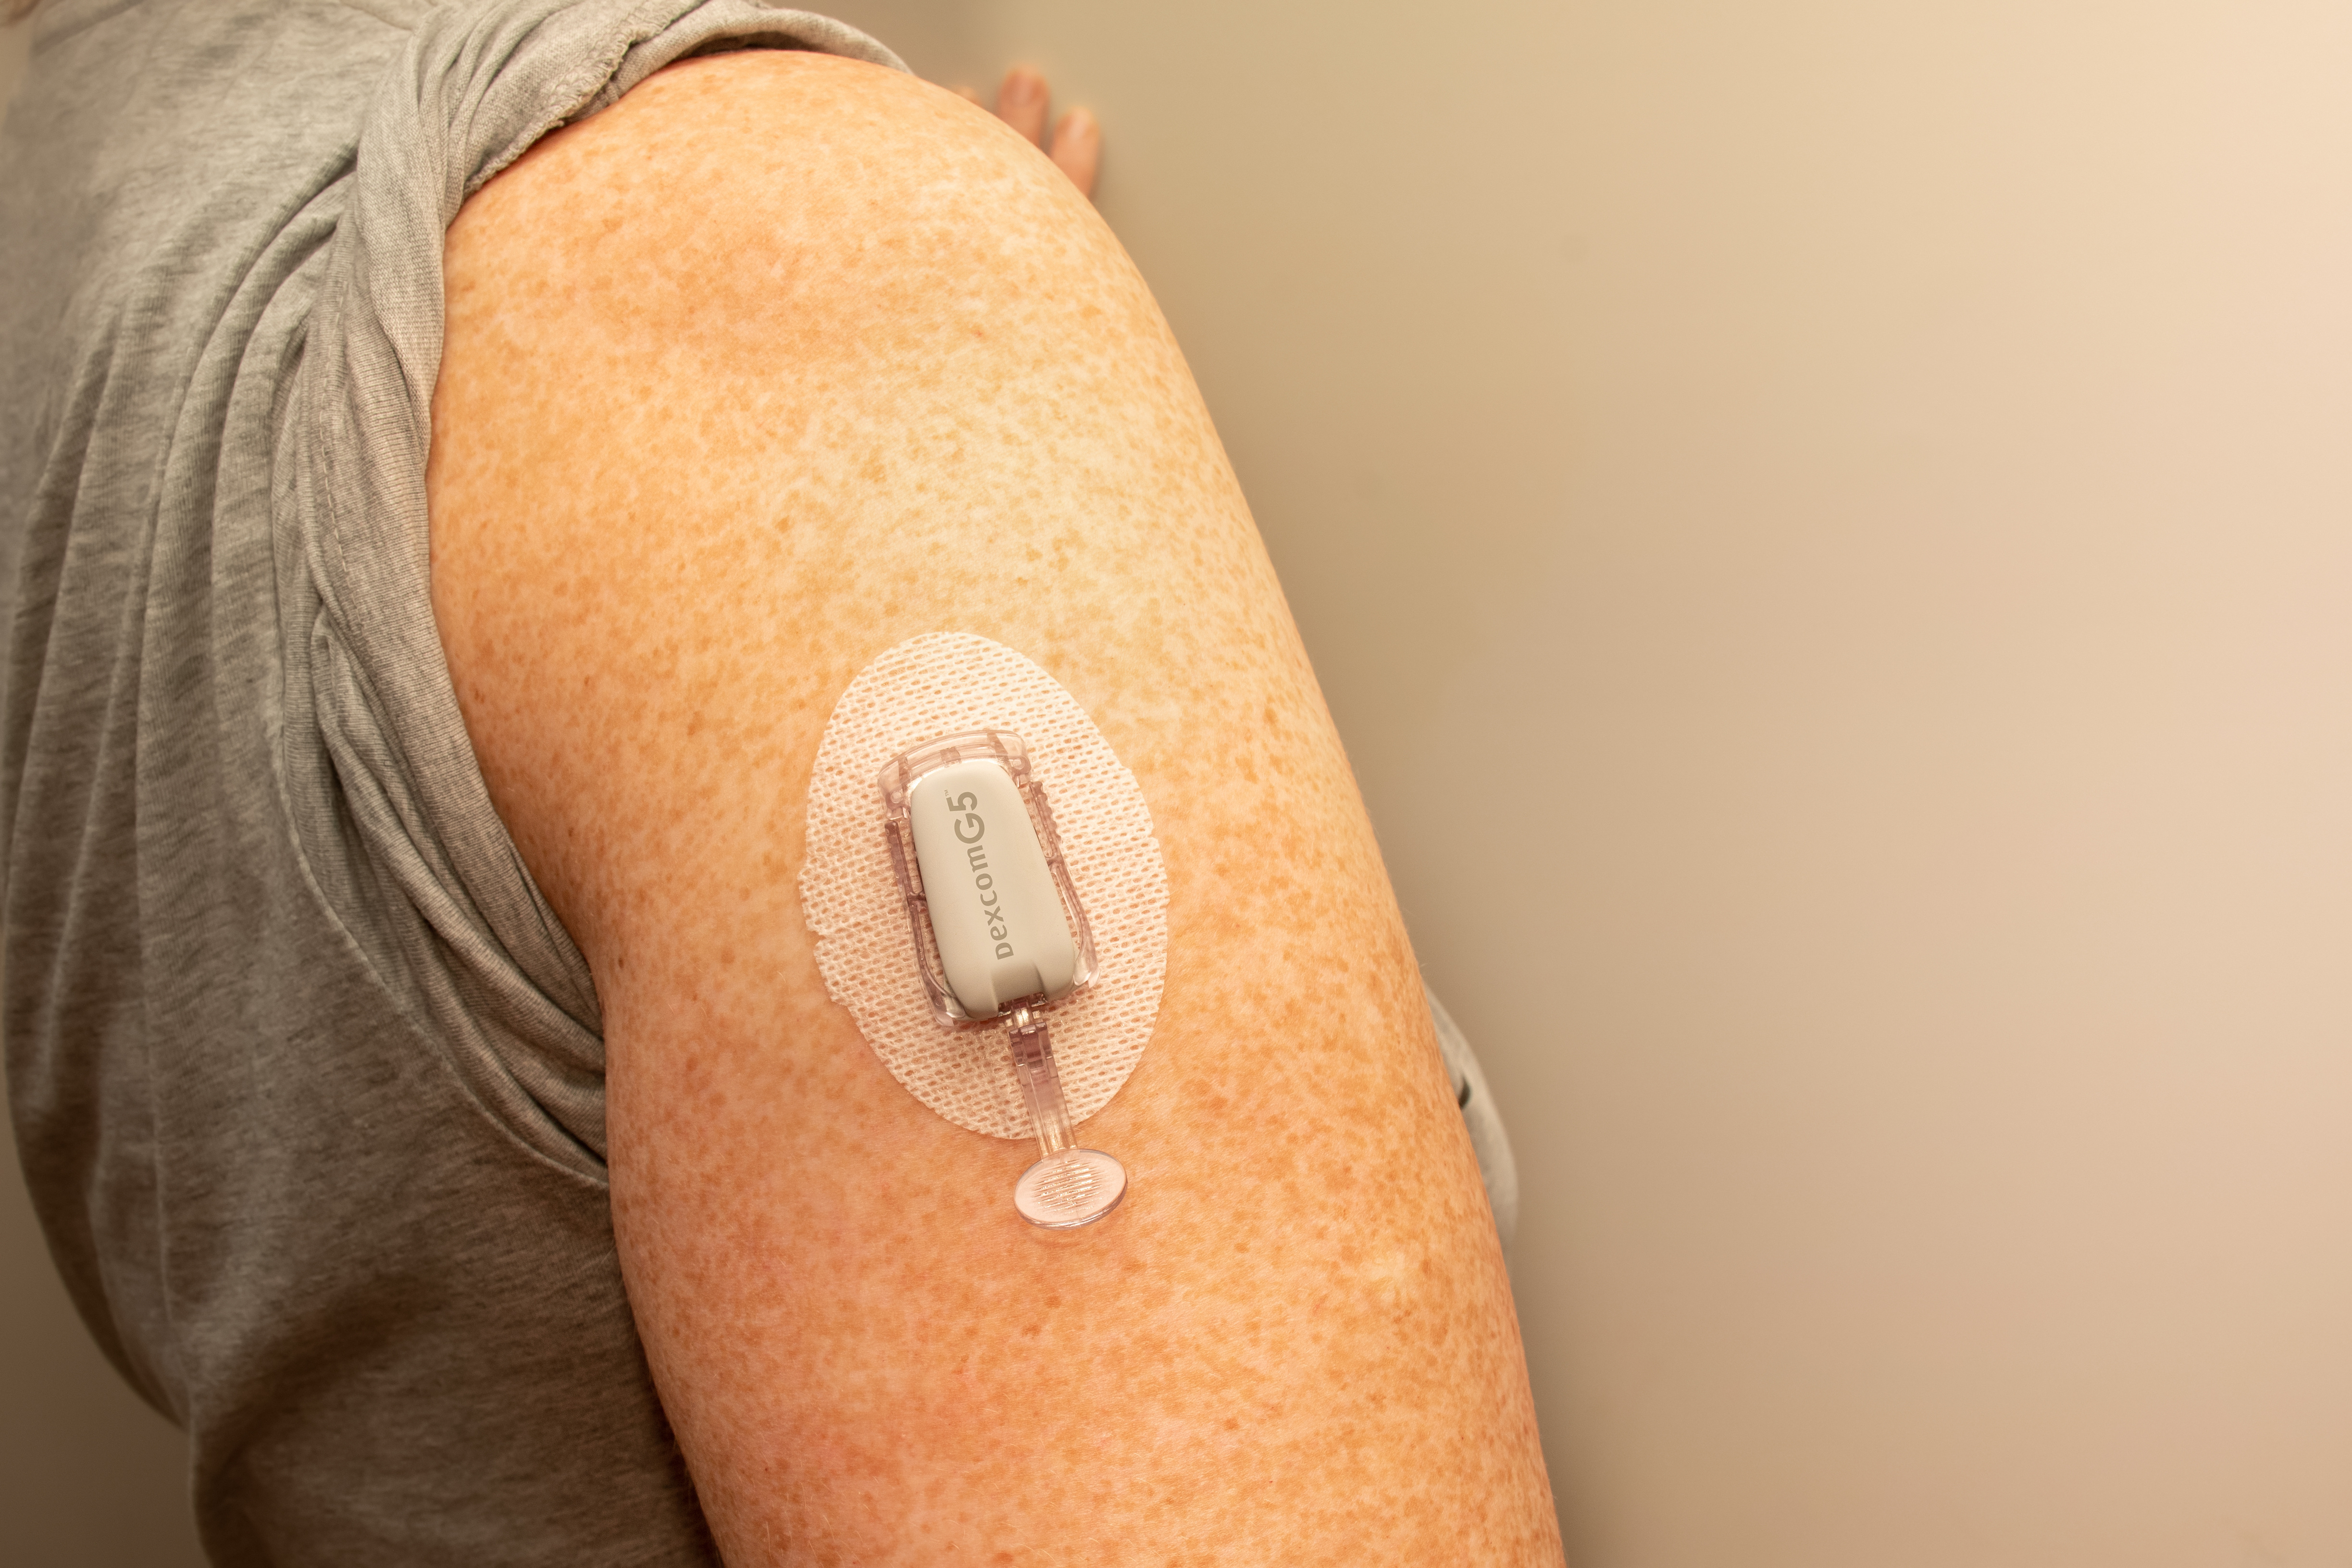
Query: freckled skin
{"type": "Point", "coordinates": [780, 361]}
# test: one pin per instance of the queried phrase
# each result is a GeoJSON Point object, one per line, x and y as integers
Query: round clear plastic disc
{"type": "Point", "coordinates": [1076, 1187]}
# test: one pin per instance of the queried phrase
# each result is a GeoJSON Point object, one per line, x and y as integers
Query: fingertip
{"type": "Point", "coordinates": [1020, 102]}
{"type": "Point", "coordinates": [1077, 149]}
{"type": "Point", "coordinates": [1021, 84]}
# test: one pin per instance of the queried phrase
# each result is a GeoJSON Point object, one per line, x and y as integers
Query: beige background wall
{"type": "Point", "coordinates": [1828, 530]}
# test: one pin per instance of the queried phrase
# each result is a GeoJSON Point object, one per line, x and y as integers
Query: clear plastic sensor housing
{"type": "Point", "coordinates": [999, 933]}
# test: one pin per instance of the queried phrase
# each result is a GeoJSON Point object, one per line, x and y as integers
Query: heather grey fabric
{"type": "Point", "coordinates": [307, 1078]}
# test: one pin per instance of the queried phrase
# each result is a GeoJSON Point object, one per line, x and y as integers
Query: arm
{"type": "Point", "coordinates": [776, 363]}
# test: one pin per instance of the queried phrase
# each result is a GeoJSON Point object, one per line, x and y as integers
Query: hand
{"type": "Point", "coordinates": [1022, 103]}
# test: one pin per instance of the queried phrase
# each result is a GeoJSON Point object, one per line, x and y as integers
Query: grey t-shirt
{"type": "Point", "coordinates": [307, 1078]}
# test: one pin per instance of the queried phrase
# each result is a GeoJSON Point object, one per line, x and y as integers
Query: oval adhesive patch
{"type": "Point", "coordinates": [941, 684]}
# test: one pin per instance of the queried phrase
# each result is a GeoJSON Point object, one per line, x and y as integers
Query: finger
{"type": "Point", "coordinates": [1077, 149]}
{"type": "Point", "coordinates": [969, 95]}
{"type": "Point", "coordinates": [1022, 102]}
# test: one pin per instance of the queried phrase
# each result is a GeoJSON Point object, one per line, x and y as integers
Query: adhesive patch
{"type": "Point", "coordinates": [939, 685]}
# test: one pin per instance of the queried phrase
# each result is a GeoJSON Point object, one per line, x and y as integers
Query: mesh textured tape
{"type": "Point", "coordinates": [939, 685]}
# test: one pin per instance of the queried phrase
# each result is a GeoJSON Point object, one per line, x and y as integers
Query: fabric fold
{"type": "Point", "coordinates": [477, 85]}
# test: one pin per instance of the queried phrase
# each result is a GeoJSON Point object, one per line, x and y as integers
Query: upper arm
{"type": "Point", "coordinates": [778, 363]}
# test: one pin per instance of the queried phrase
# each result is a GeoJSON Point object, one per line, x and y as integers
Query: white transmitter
{"type": "Point", "coordinates": [999, 935]}
{"type": "Point", "coordinates": [995, 911]}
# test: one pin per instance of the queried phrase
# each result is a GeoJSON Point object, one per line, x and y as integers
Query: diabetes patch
{"type": "Point", "coordinates": [942, 684]}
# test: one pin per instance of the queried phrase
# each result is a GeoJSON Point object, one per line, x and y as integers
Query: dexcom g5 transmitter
{"type": "Point", "coordinates": [999, 935]}
{"type": "Point", "coordinates": [996, 915]}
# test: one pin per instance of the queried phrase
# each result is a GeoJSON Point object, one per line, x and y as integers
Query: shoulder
{"type": "Point", "coordinates": [750, 181]}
